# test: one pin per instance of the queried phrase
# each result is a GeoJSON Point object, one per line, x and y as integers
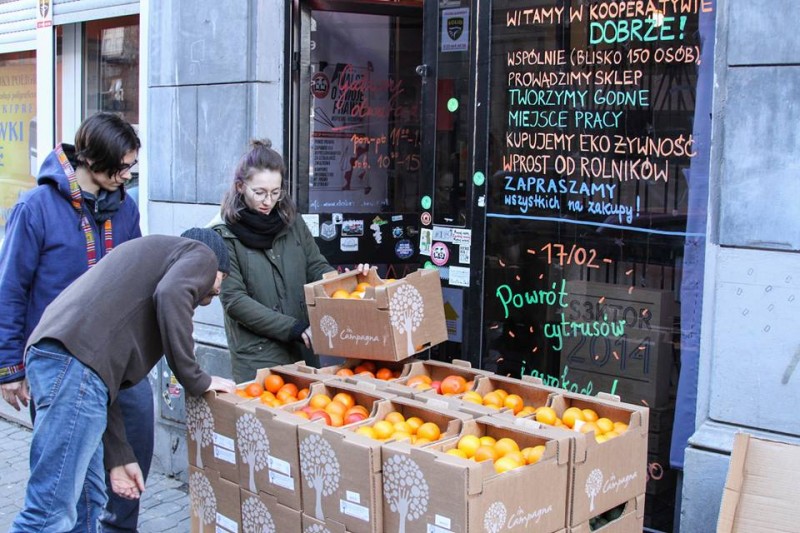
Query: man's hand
{"type": "Point", "coordinates": [222, 384]}
{"type": "Point", "coordinates": [127, 481]}
{"type": "Point", "coordinates": [16, 392]}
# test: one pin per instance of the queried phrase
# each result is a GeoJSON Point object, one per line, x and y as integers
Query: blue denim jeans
{"type": "Point", "coordinates": [66, 489]}
{"type": "Point", "coordinates": [121, 515]}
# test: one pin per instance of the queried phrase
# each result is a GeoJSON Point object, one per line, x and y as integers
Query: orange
{"type": "Point", "coordinates": [413, 381]}
{"type": "Point", "coordinates": [336, 407]}
{"type": "Point", "coordinates": [527, 411]}
{"type": "Point", "coordinates": [457, 452]}
{"type": "Point", "coordinates": [302, 394]}
{"type": "Point", "coordinates": [344, 372]}
{"type": "Point", "coordinates": [546, 415]}
{"type": "Point", "coordinates": [590, 415]}
{"type": "Point", "coordinates": [469, 444]}
{"type": "Point", "coordinates": [514, 402]}
{"type": "Point", "coordinates": [319, 401]}
{"type": "Point", "coordinates": [302, 414]}
{"type": "Point", "coordinates": [571, 415]}
{"type": "Point", "coordinates": [254, 390]}
{"type": "Point", "coordinates": [517, 456]}
{"type": "Point", "coordinates": [488, 440]}
{"type": "Point", "coordinates": [242, 392]}
{"type": "Point", "coordinates": [358, 409]}
{"type": "Point", "coordinates": [472, 396]}
{"type": "Point", "coordinates": [340, 293]}
{"type": "Point", "coordinates": [357, 295]}
{"type": "Point", "coordinates": [399, 435]}
{"type": "Point", "coordinates": [419, 441]}
{"type": "Point", "coordinates": [337, 420]}
{"type": "Point", "coordinates": [273, 383]}
{"type": "Point", "coordinates": [369, 365]}
{"type": "Point", "coordinates": [505, 446]}
{"type": "Point", "coordinates": [605, 425]}
{"type": "Point", "coordinates": [290, 387]}
{"type": "Point", "coordinates": [429, 431]}
{"type": "Point", "coordinates": [285, 396]}
{"type": "Point", "coordinates": [590, 426]}
{"type": "Point", "coordinates": [454, 385]}
{"type": "Point", "coordinates": [344, 399]}
{"type": "Point", "coordinates": [468, 385]}
{"type": "Point", "coordinates": [394, 417]}
{"type": "Point", "coordinates": [504, 464]}
{"type": "Point", "coordinates": [366, 431]}
{"type": "Point", "coordinates": [620, 427]}
{"type": "Point", "coordinates": [503, 394]}
{"type": "Point", "coordinates": [384, 374]}
{"type": "Point", "coordinates": [486, 453]}
{"type": "Point", "coordinates": [415, 422]}
{"type": "Point", "coordinates": [611, 434]}
{"type": "Point", "coordinates": [361, 287]}
{"type": "Point", "coordinates": [493, 400]}
{"type": "Point", "coordinates": [533, 454]}
{"type": "Point", "coordinates": [383, 429]}
{"type": "Point", "coordinates": [403, 427]}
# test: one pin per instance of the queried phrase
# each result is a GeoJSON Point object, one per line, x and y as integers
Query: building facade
{"type": "Point", "coordinates": [411, 139]}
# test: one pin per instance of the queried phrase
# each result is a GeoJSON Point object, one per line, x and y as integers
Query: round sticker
{"type": "Point", "coordinates": [425, 218]}
{"type": "Point", "coordinates": [426, 202]}
{"type": "Point", "coordinates": [452, 105]}
{"type": "Point", "coordinates": [478, 178]}
{"type": "Point", "coordinates": [439, 253]}
{"type": "Point", "coordinates": [403, 249]}
{"type": "Point", "coordinates": [320, 85]}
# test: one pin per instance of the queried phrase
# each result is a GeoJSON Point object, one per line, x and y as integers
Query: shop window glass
{"type": "Point", "coordinates": [364, 113]}
{"type": "Point", "coordinates": [111, 67]}
{"type": "Point", "coordinates": [18, 162]}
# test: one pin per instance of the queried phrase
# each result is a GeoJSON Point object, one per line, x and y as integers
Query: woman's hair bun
{"type": "Point", "coordinates": [261, 143]}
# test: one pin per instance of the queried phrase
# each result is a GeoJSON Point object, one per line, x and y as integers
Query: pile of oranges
{"type": "Point", "coordinates": [370, 369]}
{"type": "Point", "coordinates": [583, 420]}
{"type": "Point", "coordinates": [499, 399]}
{"type": "Point", "coordinates": [395, 426]}
{"type": "Point", "coordinates": [337, 411]}
{"type": "Point", "coordinates": [356, 294]}
{"type": "Point", "coordinates": [448, 386]}
{"type": "Point", "coordinates": [274, 391]}
{"type": "Point", "coordinates": [504, 452]}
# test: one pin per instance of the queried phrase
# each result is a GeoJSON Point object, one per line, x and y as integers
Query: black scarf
{"type": "Point", "coordinates": [104, 205]}
{"type": "Point", "coordinates": [256, 230]}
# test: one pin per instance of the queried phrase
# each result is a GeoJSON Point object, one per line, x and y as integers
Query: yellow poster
{"type": "Point", "coordinates": [17, 131]}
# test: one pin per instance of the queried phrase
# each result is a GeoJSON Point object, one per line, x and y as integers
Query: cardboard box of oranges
{"type": "Point", "coordinates": [609, 450]}
{"type": "Point", "coordinates": [341, 468]}
{"type": "Point", "coordinates": [494, 476]}
{"type": "Point", "coordinates": [267, 442]}
{"type": "Point", "coordinates": [438, 377]}
{"type": "Point", "coordinates": [366, 368]}
{"type": "Point", "coordinates": [388, 320]}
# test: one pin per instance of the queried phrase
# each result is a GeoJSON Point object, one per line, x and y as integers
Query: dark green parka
{"type": "Point", "coordinates": [263, 297]}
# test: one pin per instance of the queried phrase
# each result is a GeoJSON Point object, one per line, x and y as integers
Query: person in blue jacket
{"type": "Point", "coordinates": [57, 231]}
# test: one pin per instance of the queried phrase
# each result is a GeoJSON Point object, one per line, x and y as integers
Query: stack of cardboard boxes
{"type": "Point", "coordinates": [257, 468]}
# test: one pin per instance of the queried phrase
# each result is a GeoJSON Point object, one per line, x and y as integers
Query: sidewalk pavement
{"type": "Point", "coordinates": [165, 504]}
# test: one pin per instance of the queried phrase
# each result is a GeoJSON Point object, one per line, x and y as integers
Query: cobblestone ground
{"type": "Point", "coordinates": [165, 504]}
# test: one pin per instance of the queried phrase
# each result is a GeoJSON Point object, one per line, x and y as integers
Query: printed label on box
{"type": "Point", "coordinates": [227, 524]}
{"type": "Point", "coordinates": [276, 478]}
{"type": "Point", "coordinates": [353, 496]}
{"type": "Point", "coordinates": [442, 521]}
{"type": "Point", "coordinates": [223, 441]}
{"type": "Point", "coordinates": [279, 464]}
{"type": "Point", "coordinates": [436, 529]}
{"type": "Point", "coordinates": [224, 454]}
{"type": "Point", "coordinates": [354, 510]}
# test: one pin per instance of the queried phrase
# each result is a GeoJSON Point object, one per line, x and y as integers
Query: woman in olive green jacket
{"type": "Point", "coordinates": [272, 256]}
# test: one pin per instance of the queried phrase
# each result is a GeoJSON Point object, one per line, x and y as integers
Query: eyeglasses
{"type": "Point", "coordinates": [260, 196]}
{"type": "Point", "coordinates": [124, 167]}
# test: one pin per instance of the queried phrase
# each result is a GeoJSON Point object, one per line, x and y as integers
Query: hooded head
{"type": "Point", "coordinates": [211, 238]}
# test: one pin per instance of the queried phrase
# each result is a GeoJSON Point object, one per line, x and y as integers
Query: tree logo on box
{"type": "Point", "coordinates": [320, 469]}
{"type": "Point", "coordinates": [201, 496]}
{"type": "Point", "coordinates": [256, 517]}
{"type": "Point", "coordinates": [253, 446]}
{"type": "Point", "coordinates": [329, 327]}
{"type": "Point", "coordinates": [199, 424]}
{"type": "Point", "coordinates": [316, 528]}
{"type": "Point", "coordinates": [406, 310]}
{"type": "Point", "coordinates": [593, 485]}
{"type": "Point", "coordinates": [495, 518]}
{"type": "Point", "coordinates": [405, 488]}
